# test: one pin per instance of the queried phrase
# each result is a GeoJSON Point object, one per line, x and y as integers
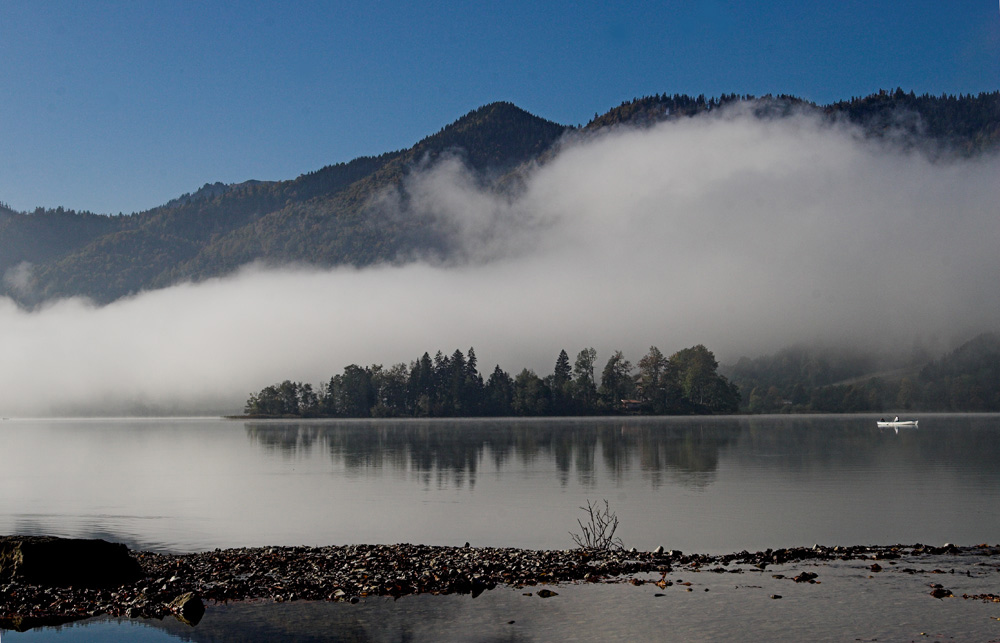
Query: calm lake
{"type": "Point", "coordinates": [712, 485]}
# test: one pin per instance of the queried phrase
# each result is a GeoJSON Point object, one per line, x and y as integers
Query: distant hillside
{"type": "Point", "coordinates": [332, 216]}
{"type": "Point", "coordinates": [963, 124]}
{"type": "Point", "coordinates": [45, 236]}
{"type": "Point", "coordinates": [966, 380]}
{"type": "Point", "coordinates": [324, 217]}
{"type": "Point", "coordinates": [959, 124]}
{"type": "Point", "coordinates": [801, 380]}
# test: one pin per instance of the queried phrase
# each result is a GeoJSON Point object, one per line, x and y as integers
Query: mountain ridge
{"type": "Point", "coordinates": [332, 216]}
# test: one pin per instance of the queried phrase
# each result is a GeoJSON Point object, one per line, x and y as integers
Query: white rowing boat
{"type": "Point", "coordinates": [895, 423]}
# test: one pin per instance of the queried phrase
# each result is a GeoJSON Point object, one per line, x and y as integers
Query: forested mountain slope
{"type": "Point", "coordinates": [800, 379]}
{"type": "Point", "coordinates": [335, 216]}
{"type": "Point", "coordinates": [324, 217]}
{"type": "Point", "coordinates": [968, 124]}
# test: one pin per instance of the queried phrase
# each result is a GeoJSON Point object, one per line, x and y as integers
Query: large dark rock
{"type": "Point", "coordinates": [188, 608]}
{"type": "Point", "coordinates": [66, 562]}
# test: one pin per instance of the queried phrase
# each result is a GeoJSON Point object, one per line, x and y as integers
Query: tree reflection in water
{"type": "Point", "coordinates": [441, 451]}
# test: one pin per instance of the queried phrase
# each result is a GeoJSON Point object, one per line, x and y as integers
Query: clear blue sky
{"type": "Point", "coordinates": [120, 105]}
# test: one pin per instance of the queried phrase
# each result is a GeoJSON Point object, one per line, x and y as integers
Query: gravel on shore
{"type": "Point", "coordinates": [351, 572]}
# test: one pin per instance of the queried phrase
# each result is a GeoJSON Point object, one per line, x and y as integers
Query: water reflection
{"type": "Point", "coordinates": [968, 442]}
{"type": "Point", "coordinates": [685, 452]}
{"type": "Point", "coordinates": [705, 484]}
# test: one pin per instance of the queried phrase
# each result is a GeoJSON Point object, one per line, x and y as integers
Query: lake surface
{"type": "Point", "coordinates": [712, 485]}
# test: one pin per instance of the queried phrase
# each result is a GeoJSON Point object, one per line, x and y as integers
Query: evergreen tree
{"type": "Point", "coordinates": [561, 385]}
{"type": "Point", "coordinates": [563, 371]}
{"type": "Point", "coordinates": [472, 392]}
{"type": "Point", "coordinates": [420, 388]}
{"type": "Point", "coordinates": [499, 394]}
{"type": "Point", "coordinates": [584, 386]}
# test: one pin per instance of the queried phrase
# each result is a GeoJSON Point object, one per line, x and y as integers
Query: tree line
{"type": "Point", "coordinates": [687, 382]}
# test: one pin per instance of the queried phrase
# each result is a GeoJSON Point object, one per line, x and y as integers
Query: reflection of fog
{"type": "Point", "coordinates": [439, 451]}
{"type": "Point", "coordinates": [836, 443]}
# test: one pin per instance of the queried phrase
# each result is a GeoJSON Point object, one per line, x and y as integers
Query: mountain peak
{"type": "Point", "coordinates": [496, 135]}
{"type": "Point", "coordinates": [496, 111]}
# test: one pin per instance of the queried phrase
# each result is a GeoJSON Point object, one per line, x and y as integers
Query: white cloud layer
{"type": "Point", "coordinates": [741, 234]}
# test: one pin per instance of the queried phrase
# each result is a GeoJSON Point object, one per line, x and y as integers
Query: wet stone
{"type": "Point", "coordinates": [188, 608]}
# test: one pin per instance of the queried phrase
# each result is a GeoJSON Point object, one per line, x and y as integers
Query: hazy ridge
{"type": "Point", "coordinates": [336, 215]}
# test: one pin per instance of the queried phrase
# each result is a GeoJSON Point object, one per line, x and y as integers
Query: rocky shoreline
{"type": "Point", "coordinates": [180, 584]}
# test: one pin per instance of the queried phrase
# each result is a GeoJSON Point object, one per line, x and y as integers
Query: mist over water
{"type": "Point", "coordinates": [745, 235]}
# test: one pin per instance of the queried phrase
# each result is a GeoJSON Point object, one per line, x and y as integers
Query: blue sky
{"type": "Point", "coordinates": [120, 106]}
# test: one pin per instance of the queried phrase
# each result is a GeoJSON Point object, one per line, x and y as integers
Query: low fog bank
{"type": "Point", "coordinates": [741, 234]}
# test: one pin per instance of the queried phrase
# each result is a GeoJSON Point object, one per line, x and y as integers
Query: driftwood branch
{"type": "Point", "coordinates": [598, 532]}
